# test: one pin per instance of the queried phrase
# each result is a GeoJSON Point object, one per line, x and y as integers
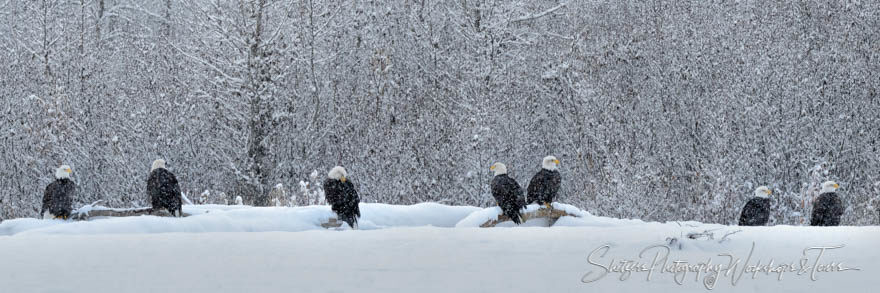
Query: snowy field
{"type": "Point", "coordinates": [422, 248]}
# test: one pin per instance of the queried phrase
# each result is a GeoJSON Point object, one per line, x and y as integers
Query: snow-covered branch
{"type": "Point", "coordinates": [539, 15]}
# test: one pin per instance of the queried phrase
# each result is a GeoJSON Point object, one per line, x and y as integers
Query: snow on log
{"type": "Point", "coordinates": [490, 217]}
{"type": "Point", "coordinates": [332, 223]}
{"type": "Point", "coordinates": [551, 214]}
{"type": "Point", "coordinates": [94, 210]}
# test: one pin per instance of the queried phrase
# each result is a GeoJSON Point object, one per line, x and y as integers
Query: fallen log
{"type": "Point", "coordinates": [332, 223]}
{"type": "Point", "coordinates": [551, 214]}
{"type": "Point", "coordinates": [94, 210]}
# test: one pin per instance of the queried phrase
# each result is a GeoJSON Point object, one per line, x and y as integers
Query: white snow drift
{"type": "Point", "coordinates": [222, 218]}
{"type": "Point", "coordinates": [246, 249]}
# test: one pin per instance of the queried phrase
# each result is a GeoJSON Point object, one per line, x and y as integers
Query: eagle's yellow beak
{"type": "Point", "coordinates": [836, 185]}
{"type": "Point", "coordinates": [769, 192]}
{"type": "Point", "coordinates": [556, 161]}
{"type": "Point", "coordinates": [492, 168]}
{"type": "Point", "coordinates": [342, 179]}
{"type": "Point", "coordinates": [68, 171]}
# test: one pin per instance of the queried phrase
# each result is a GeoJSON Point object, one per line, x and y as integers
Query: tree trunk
{"type": "Point", "coordinates": [259, 124]}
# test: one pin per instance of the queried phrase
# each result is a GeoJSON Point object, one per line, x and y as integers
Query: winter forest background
{"type": "Point", "coordinates": [660, 110]}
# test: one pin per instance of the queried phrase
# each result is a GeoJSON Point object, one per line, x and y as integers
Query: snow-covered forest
{"type": "Point", "coordinates": [660, 110]}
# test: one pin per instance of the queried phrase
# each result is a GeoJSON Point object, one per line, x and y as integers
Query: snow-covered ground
{"type": "Point", "coordinates": [420, 248]}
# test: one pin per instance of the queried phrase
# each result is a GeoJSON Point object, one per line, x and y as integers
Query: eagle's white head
{"type": "Point", "coordinates": [158, 164]}
{"type": "Point", "coordinates": [829, 186]}
{"type": "Point", "coordinates": [763, 192]}
{"type": "Point", "coordinates": [338, 173]}
{"type": "Point", "coordinates": [499, 168]}
{"type": "Point", "coordinates": [63, 172]}
{"type": "Point", "coordinates": [550, 163]}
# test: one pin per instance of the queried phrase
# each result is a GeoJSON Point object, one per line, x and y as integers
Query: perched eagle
{"type": "Point", "coordinates": [757, 210]}
{"type": "Point", "coordinates": [508, 195]}
{"type": "Point", "coordinates": [163, 189]}
{"type": "Point", "coordinates": [58, 198]}
{"type": "Point", "coordinates": [828, 208]}
{"type": "Point", "coordinates": [343, 198]}
{"type": "Point", "coordinates": [545, 185]}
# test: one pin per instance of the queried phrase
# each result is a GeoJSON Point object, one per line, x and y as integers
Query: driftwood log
{"type": "Point", "coordinates": [552, 215]}
{"type": "Point", "coordinates": [332, 223]}
{"type": "Point", "coordinates": [90, 211]}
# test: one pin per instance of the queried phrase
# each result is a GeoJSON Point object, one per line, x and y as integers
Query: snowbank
{"type": "Point", "coordinates": [222, 218]}
{"type": "Point", "coordinates": [578, 218]}
{"type": "Point", "coordinates": [424, 214]}
{"type": "Point", "coordinates": [398, 251]}
{"type": "Point", "coordinates": [423, 259]}
{"type": "Point", "coordinates": [240, 218]}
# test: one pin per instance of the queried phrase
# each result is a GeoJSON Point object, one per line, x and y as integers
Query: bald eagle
{"type": "Point", "coordinates": [828, 208]}
{"type": "Point", "coordinates": [545, 184]}
{"type": "Point", "coordinates": [508, 195]}
{"type": "Point", "coordinates": [757, 210]}
{"type": "Point", "coordinates": [58, 198]}
{"type": "Point", "coordinates": [163, 189]}
{"type": "Point", "coordinates": [343, 198]}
